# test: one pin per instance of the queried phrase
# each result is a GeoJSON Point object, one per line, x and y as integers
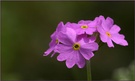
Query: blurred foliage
{"type": "Point", "coordinates": [26, 30]}
{"type": "Point", "coordinates": [125, 73]}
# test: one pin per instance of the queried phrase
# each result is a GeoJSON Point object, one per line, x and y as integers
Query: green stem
{"type": "Point", "coordinates": [89, 78]}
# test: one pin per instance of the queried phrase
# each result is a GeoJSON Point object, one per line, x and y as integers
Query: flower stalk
{"type": "Point", "coordinates": [89, 77]}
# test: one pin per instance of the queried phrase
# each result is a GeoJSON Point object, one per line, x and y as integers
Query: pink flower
{"type": "Point", "coordinates": [73, 51]}
{"type": "Point", "coordinates": [109, 32]}
{"type": "Point", "coordinates": [83, 27]}
{"type": "Point", "coordinates": [54, 40]}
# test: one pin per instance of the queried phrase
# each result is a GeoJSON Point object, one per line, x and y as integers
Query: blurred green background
{"type": "Point", "coordinates": [26, 30]}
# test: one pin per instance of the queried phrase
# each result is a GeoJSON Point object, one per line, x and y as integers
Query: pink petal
{"type": "Point", "coordinates": [84, 21]}
{"type": "Point", "coordinates": [71, 34]}
{"type": "Point", "coordinates": [81, 61]}
{"type": "Point", "coordinates": [92, 38]}
{"type": "Point", "coordinates": [93, 24]}
{"type": "Point", "coordinates": [60, 26]}
{"type": "Point", "coordinates": [69, 25]}
{"type": "Point", "coordinates": [79, 37]}
{"type": "Point", "coordinates": [101, 30]}
{"type": "Point", "coordinates": [72, 59]}
{"type": "Point", "coordinates": [64, 51]}
{"type": "Point", "coordinates": [86, 39]}
{"type": "Point", "coordinates": [73, 26]}
{"type": "Point", "coordinates": [119, 39]}
{"type": "Point", "coordinates": [109, 22]}
{"type": "Point", "coordinates": [103, 38]}
{"type": "Point", "coordinates": [90, 31]}
{"type": "Point", "coordinates": [105, 26]}
{"type": "Point", "coordinates": [64, 48]}
{"type": "Point", "coordinates": [52, 43]}
{"type": "Point", "coordinates": [109, 43]}
{"type": "Point", "coordinates": [99, 19]}
{"type": "Point", "coordinates": [80, 31]}
{"type": "Point", "coordinates": [115, 29]}
{"type": "Point", "coordinates": [63, 56]}
{"type": "Point", "coordinates": [124, 43]}
{"type": "Point", "coordinates": [63, 38]}
{"type": "Point", "coordinates": [86, 53]}
{"type": "Point", "coordinates": [90, 46]}
{"type": "Point", "coordinates": [82, 41]}
{"type": "Point", "coordinates": [48, 51]}
{"type": "Point", "coordinates": [53, 54]}
{"type": "Point", "coordinates": [53, 36]}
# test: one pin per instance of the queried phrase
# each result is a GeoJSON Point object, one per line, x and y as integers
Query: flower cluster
{"type": "Point", "coordinates": [76, 42]}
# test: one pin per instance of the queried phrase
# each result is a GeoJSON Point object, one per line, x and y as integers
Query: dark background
{"type": "Point", "coordinates": [26, 30]}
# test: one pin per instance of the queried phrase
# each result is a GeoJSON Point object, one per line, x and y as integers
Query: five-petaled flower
{"type": "Point", "coordinates": [109, 32]}
{"type": "Point", "coordinates": [54, 40]}
{"type": "Point", "coordinates": [84, 26]}
{"type": "Point", "coordinates": [73, 51]}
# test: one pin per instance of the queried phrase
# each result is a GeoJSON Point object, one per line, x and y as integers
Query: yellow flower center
{"type": "Point", "coordinates": [84, 26]}
{"type": "Point", "coordinates": [56, 41]}
{"type": "Point", "coordinates": [108, 34]}
{"type": "Point", "coordinates": [76, 46]}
